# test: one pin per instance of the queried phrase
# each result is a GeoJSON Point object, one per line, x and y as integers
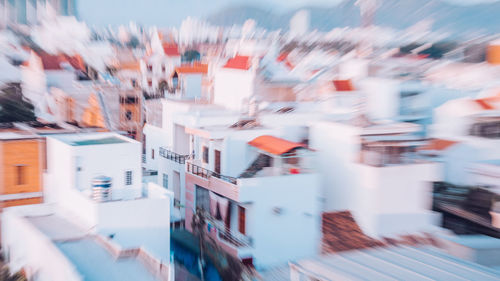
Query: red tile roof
{"type": "Point", "coordinates": [484, 104]}
{"type": "Point", "coordinates": [238, 62]}
{"type": "Point", "coordinates": [193, 68]}
{"type": "Point", "coordinates": [51, 62]}
{"type": "Point", "coordinates": [282, 56]}
{"type": "Point", "coordinates": [171, 49]}
{"type": "Point", "coordinates": [343, 85]}
{"type": "Point", "coordinates": [342, 233]}
{"type": "Point", "coordinates": [438, 144]}
{"type": "Point", "coordinates": [274, 145]}
{"type": "Point", "coordinates": [76, 61]}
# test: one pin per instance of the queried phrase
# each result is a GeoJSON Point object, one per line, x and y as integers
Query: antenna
{"type": "Point", "coordinates": [367, 10]}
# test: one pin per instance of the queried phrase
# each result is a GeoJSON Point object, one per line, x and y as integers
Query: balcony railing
{"type": "Point", "coordinates": [205, 173]}
{"type": "Point", "coordinates": [233, 237]}
{"type": "Point", "coordinates": [170, 155]}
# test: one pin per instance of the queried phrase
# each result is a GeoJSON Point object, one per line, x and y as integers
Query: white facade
{"type": "Point", "coordinates": [74, 160]}
{"type": "Point", "coordinates": [382, 97]}
{"type": "Point", "coordinates": [283, 217]}
{"type": "Point", "coordinates": [135, 219]}
{"type": "Point", "coordinates": [382, 199]}
{"type": "Point", "coordinates": [232, 87]}
{"type": "Point", "coordinates": [395, 199]}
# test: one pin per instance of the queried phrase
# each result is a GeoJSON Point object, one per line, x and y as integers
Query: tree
{"type": "Point", "coordinates": [13, 106]}
{"type": "Point", "coordinates": [190, 56]}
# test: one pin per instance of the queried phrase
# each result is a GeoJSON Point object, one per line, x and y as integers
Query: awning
{"type": "Point", "coordinates": [274, 145]}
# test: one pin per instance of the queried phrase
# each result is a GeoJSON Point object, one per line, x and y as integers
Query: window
{"type": "Point", "coordinates": [217, 161]}
{"type": "Point", "coordinates": [128, 178]}
{"type": "Point", "coordinates": [128, 115]}
{"type": "Point", "coordinates": [152, 154]}
{"type": "Point", "coordinates": [150, 68]}
{"type": "Point", "coordinates": [165, 180]}
{"type": "Point", "coordinates": [21, 174]}
{"type": "Point", "coordinates": [202, 198]}
{"type": "Point", "coordinates": [241, 219]}
{"type": "Point", "coordinates": [205, 154]}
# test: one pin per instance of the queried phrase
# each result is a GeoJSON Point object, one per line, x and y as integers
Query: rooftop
{"type": "Point", "coordinates": [238, 62]}
{"type": "Point", "coordinates": [95, 263]}
{"type": "Point", "coordinates": [394, 263]}
{"type": "Point", "coordinates": [86, 139]}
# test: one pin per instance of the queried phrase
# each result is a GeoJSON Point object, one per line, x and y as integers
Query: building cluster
{"type": "Point", "coordinates": [296, 159]}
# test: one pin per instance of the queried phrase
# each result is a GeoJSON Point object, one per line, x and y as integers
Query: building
{"type": "Point", "coordinates": [97, 211]}
{"type": "Point", "coordinates": [387, 263]}
{"type": "Point", "coordinates": [252, 184]}
{"type": "Point", "coordinates": [373, 170]}
{"type": "Point", "coordinates": [22, 164]}
{"type": "Point", "coordinates": [31, 12]}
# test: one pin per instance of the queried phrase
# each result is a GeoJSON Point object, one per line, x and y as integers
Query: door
{"type": "Point", "coordinates": [177, 186]}
{"type": "Point", "coordinates": [217, 161]}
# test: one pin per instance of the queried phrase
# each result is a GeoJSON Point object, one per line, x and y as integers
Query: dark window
{"type": "Point", "coordinates": [129, 100]}
{"type": "Point", "coordinates": [217, 161]}
{"type": "Point", "coordinates": [128, 115]}
{"type": "Point", "coordinates": [165, 180]}
{"type": "Point", "coordinates": [128, 178]}
{"type": "Point", "coordinates": [202, 198]}
{"type": "Point", "coordinates": [205, 154]}
{"type": "Point", "coordinates": [241, 219]}
{"type": "Point", "coordinates": [21, 174]}
{"type": "Point", "coordinates": [150, 68]}
{"type": "Point", "coordinates": [152, 154]}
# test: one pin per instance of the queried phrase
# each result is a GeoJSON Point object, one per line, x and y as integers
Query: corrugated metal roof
{"type": "Point", "coordinates": [396, 263]}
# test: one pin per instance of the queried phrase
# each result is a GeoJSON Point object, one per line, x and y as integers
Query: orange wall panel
{"type": "Point", "coordinates": [28, 153]}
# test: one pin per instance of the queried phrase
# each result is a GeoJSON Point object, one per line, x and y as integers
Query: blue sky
{"type": "Point", "coordinates": [172, 12]}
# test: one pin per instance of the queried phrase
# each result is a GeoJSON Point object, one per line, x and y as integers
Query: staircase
{"type": "Point", "coordinates": [258, 164]}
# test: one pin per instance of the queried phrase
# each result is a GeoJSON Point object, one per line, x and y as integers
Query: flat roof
{"type": "Point", "coordinates": [95, 263]}
{"type": "Point", "coordinates": [474, 241]}
{"type": "Point", "coordinates": [97, 138]}
{"type": "Point", "coordinates": [395, 263]}
{"type": "Point", "coordinates": [91, 260]}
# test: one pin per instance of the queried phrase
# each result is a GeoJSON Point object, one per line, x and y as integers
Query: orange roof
{"type": "Point", "coordinates": [438, 144]}
{"type": "Point", "coordinates": [274, 145]}
{"type": "Point", "coordinates": [171, 49]}
{"type": "Point", "coordinates": [343, 85]}
{"type": "Point", "coordinates": [133, 65]}
{"type": "Point", "coordinates": [282, 57]}
{"type": "Point", "coordinates": [484, 104]}
{"type": "Point", "coordinates": [238, 62]}
{"type": "Point", "coordinates": [193, 68]}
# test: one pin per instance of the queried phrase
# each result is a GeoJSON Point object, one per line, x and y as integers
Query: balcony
{"type": "Point", "coordinates": [207, 174]}
{"type": "Point", "coordinates": [170, 155]}
{"type": "Point", "coordinates": [235, 238]}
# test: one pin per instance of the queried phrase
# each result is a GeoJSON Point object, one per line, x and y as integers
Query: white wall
{"type": "Point", "coordinates": [192, 85]}
{"type": "Point", "coordinates": [382, 97]}
{"type": "Point", "coordinates": [156, 137]}
{"type": "Point", "coordinates": [291, 235]}
{"type": "Point", "coordinates": [338, 147]}
{"type": "Point", "coordinates": [30, 249]}
{"type": "Point", "coordinates": [395, 199]}
{"type": "Point", "coordinates": [232, 86]}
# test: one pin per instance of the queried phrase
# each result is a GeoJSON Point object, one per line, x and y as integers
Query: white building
{"type": "Point", "coordinates": [253, 184]}
{"type": "Point", "coordinates": [371, 170]}
{"type": "Point", "coordinates": [96, 211]}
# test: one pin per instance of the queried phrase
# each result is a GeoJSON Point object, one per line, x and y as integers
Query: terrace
{"type": "Point", "coordinates": [381, 151]}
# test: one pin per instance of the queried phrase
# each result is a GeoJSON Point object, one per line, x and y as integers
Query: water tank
{"type": "Point", "coordinates": [101, 189]}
